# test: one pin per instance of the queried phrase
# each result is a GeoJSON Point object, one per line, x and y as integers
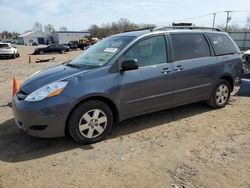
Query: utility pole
{"type": "Point", "coordinates": [228, 19]}
{"type": "Point", "coordinates": [214, 19]}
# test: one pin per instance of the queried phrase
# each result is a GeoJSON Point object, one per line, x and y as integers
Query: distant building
{"type": "Point", "coordinates": [63, 37]}
{"type": "Point", "coordinates": [34, 36]}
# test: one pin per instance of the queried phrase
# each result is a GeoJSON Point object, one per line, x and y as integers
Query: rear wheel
{"type": "Point", "coordinates": [90, 122]}
{"type": "Point", "coordinates": [62, 51]}
{"type": "Point", "coordinates": [220, 94]}
{"type": "Point", "coordinates": [41, 52]}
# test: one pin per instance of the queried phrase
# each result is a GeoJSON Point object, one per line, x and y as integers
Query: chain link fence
{"type": "Point", "coordinates": [242, 39]}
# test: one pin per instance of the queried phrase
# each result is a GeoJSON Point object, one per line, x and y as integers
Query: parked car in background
{"type": "Point", "coordinates": [86, 42]}
{"type": "Point", "coordinates": [8, 50]}
{"type": "Point", "coordinates": [34, 44]}
{"type": "Point", "coordinates": [127, 75]}
{"type": "Point", "coordinates": [73, 45]}
{"type": "Point", "coordinates": [246, 62]}
{"type": "Point", "coordinates": [52, 48]}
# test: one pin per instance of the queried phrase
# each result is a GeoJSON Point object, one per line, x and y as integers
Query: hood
{"type": "Point", "coordinates": [48, 76]}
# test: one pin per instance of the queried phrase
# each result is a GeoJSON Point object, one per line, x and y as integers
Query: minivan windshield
{"type": "Point", "coordinates": [100, 53]}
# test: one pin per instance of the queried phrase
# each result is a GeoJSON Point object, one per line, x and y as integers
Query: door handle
{"type": "Point", "coordinates": [178, 68]}
{"type": "Point", "coordinates": [165, 71]}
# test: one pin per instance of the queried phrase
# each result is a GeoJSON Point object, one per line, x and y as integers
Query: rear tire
{"type": "Point", "coordinates": [220, 94]}
{"type": "Point", "coordinates": [90, 122]}
{"type": "Point", "coordinates": [41, 52]}
{"type": "Point", "coordinates": [62, 52]}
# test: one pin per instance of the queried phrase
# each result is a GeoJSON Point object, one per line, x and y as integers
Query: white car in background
{"type": "Point", "coordinates": [8, 50]}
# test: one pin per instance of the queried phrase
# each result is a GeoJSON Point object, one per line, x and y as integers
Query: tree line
{"type": "Point", "coordinates": [115, 27]}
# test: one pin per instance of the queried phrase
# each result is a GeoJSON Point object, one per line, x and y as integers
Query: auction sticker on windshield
{"type": "Point", "coordinates": [112, 50]}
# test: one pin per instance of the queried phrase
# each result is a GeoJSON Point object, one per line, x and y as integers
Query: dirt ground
{"type": "Point", "coordinates": [190, 146]}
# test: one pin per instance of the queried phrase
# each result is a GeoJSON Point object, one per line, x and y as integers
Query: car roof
{"type": "Point", "coordinates": [148, 32]}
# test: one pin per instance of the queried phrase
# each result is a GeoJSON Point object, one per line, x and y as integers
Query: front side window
{"type": "Point", "coordinates": [221, 44]}
{"type": "Point", "coordinates": [149, 51]}
{"type": "Point", "coordinates": [189, 46]}
{"type": "Point", "coordinates": [100, 53]}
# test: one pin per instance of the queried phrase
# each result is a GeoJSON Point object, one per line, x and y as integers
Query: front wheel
{"type": "Point", "coordinates": [90, 122]}
{"type": "Point", "coordinates": [13, 56]}
{"type": "Point", "coordinates": [220, 94]}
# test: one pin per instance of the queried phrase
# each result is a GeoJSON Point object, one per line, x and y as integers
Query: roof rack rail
{"type": "Point", "coordinates": [184, 27]}
{"type": "Point", "coordinates": [140, 29]}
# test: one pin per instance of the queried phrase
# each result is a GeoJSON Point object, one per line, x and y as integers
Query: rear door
{"type": "Point", "coordinates": [195, 68]}
{"type": "Point", "coordinates": [150, 87]}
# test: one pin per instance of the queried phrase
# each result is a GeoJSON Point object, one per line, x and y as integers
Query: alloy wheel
{"type": "Point", "coordinates": [93, 123]}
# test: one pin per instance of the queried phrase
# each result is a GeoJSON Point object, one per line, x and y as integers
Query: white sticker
{"type": "Point", "coordinates": [112, 50]}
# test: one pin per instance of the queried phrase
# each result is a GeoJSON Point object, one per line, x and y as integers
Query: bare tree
{"type": "Point", "coordinates": [63, 28]}
{"type": "Point", "coordinates": [94, 29]}
{"type": "Point", "coordinates": [115, 27]}
{"type": "Point", "coordinates": [38, 27]}
{"type": "Point", "coordinates": [49, 28]}
{"type": "Point", "coordinates": [6, 35]}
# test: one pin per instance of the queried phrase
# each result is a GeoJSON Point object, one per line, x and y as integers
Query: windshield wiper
{"type": "Point", "coordinates": [73, 65]}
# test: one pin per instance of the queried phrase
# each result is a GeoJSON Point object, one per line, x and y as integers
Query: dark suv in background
{"type": "Point", "coordinates": [52, 48]}
{"type": "Point", "coordinates": [127, 75]}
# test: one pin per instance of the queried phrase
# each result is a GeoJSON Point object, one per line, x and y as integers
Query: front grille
{"type": "Point", "coordinates": [21, 95]}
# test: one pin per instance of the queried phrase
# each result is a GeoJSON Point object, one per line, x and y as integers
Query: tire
{"type": "Point", "coordinates": [41, 52]}
{"type": "Point", "coordinates": [62, 52]}
{"type": "Point", "coordinates": [220, 94]}
{"type": "Point", "coordinates": [86, 117]}
{"type": "Point", "coordinates": [13, 56]}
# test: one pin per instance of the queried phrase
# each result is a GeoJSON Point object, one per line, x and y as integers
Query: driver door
{"type": "Point", "coordinates": [150, 87]}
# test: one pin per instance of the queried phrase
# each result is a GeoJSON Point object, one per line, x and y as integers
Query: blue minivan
{"type": "Point", "coordinates": [127, 75]}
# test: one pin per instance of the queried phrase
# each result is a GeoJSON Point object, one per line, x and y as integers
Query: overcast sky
{"type": "Point", "coordinates": [20, 15]}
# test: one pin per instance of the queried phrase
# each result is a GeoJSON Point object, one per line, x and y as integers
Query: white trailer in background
{"type": "Point", "coordinates": [63, 37]}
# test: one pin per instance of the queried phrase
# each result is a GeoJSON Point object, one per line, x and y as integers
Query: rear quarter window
{"type": "Point", "coordinates": [222, 44]}
{"type": "Point", "coordinates": [4, 45]}
{"type": "Point", "coordinates": [189, 46]}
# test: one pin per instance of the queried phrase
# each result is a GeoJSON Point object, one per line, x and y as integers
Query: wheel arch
{"type": "Point", "coordinates": [230, 79]}
{"type": "Point", "coordinates": [106, 100]}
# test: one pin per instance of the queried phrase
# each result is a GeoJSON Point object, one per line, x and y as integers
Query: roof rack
{"type": "Point", "coordinates": [185, 27]}
{"type": "Point", "coordinates": [141, 29]}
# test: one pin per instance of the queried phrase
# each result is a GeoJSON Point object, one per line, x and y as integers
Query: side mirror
{"type": "Point", "coordinates": [128, 65]}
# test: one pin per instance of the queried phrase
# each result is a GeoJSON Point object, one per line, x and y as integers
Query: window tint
{"type": "Point", "coordinates": [189, 46]}
{"type": "Point", "coordinates": [221, 44]}
{"type": "Point", "coordinates": [149, 51]}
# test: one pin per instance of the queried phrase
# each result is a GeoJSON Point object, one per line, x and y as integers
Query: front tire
{"type": "Point", "coordinates": [13, 56]}
{"type": "Point", "coordinates": [90, 122]}
{"type": "Point", "coordinates": [220, 94]}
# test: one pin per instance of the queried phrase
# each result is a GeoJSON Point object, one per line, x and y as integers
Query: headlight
{"type": "Point", "coordinates": [49, 90]}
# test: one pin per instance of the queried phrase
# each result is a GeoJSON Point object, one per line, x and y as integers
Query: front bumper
{"type": "Point", "coordinates": [46, 118]}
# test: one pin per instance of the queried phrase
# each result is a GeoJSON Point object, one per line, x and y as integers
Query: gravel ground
{"type": "Point", "coordinates": [189, 146]}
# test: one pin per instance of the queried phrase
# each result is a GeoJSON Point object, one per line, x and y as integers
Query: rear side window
{"type": "Point", "coordinates": [221, 44]}
{"type": "Point", "coordinates": [189, 46]}
{"type": "Point", "coordinates": [4, 45]}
